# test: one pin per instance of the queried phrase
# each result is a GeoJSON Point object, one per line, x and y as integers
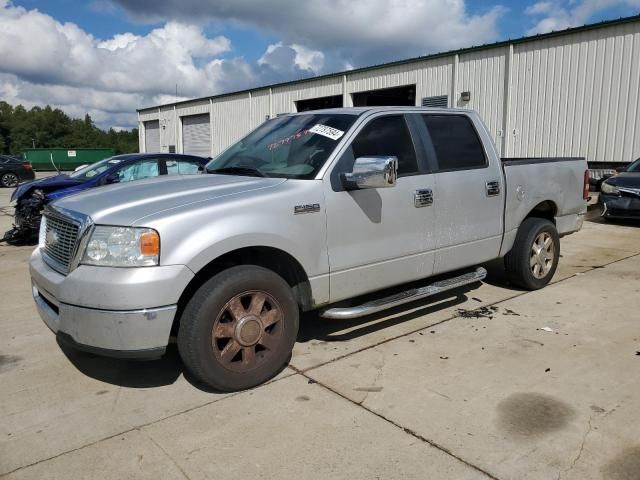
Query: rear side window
{"type": "Point", "coordinates": [387, 136]}
{"type": "Point", "coordinates": [455, 141]}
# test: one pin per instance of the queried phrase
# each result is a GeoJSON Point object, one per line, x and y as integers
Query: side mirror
{"type": "Point", "coordinates": [372, 172]}
{"type": "Point", "coordinates": [621, 169]}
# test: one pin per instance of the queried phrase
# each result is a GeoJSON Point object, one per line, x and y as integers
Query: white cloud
{"type": "Point", "coordinates": [44, 61]}
{"type": "Point", "coordinates": [291, 57]}
{"type": "Point", "coordinates": [572, 13]}
{"type": "Point", "coordinates": [357, 31]}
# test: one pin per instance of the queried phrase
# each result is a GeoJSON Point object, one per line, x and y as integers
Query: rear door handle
{"type": "Point", "coordinates": [423, 198]}
{"type": "Point", "coordinates": [493, 188]}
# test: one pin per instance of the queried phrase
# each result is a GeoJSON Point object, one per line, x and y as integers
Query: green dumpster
{"type": "Point", "coordinates": [64, 158]}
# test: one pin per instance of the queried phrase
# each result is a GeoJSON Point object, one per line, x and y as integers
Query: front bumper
{"type": "Point", "coordinates": [119, 312]}
{"type": "Point", "coordinates": [620, 206]}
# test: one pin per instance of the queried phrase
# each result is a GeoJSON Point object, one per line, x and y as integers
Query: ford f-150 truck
{"type": "Point", "coordinates": [308, 211]}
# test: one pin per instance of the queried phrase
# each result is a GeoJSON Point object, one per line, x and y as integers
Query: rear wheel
{"type": "Point", "coordinates": [533, 260]}
{"type": "Point", "coordinates": [9, 180]}
{"type": "Point", "coordinates": [239, 328]}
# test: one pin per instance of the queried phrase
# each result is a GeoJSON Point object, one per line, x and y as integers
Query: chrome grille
{"type": "Point", "coordinates": [60, 240]}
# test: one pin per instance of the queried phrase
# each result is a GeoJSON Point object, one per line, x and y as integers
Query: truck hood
{"type": "Point", "coordinates": [48, 184]}
{"type": "Point", "coordinates": [124, 204]}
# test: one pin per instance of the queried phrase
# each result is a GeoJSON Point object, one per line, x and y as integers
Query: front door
{"type": "Point", "coordinates": [380, 237]}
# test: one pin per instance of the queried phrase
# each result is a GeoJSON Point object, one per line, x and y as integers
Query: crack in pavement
{"type": "Point", "coordinates": [580, 451]}
{"type": "Point", "coordinates": [171, 459]}
{"type": "Point", "coordinates": [406, 430]}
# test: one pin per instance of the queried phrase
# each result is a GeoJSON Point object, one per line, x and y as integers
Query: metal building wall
{"type": "Point", "coordinates": [431, 77]}
{"type": "Point", "coordinates": [572, 94]}
{"type": "Point", "coordinates": [231, 120]}
{"type": "Point", "coordinates": [198, 107]}
{"type": "Point", "coordinates": [578, 95]}
{"type": "Point", "coordinates": [482, 73]}
{"type": "Point", "coordinates": [284, 98]}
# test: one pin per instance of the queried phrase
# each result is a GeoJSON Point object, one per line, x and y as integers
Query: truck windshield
{"type": "Point", "coordinates": [288, 147]}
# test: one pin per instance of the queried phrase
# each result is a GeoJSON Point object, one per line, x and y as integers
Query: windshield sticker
{"type": "Point", "coordinates": [329, 132]}
{"type": "Point", "coordinates": [287, 140]}
{"type": "Point", "coordinates": [113, 162]}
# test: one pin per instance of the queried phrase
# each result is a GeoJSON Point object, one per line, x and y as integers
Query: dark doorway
{"type": "Point", "coordinates": [334, 101]}
{"type": "Point", "coordinates": [386, 97]}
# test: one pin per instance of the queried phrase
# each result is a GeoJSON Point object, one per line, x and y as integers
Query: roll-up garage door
{"type": "Point", "coordinates": [196, 135]}
{"type": "Point", "coordinates": [152, 136]}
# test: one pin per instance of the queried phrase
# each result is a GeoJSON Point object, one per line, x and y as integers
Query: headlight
{"type": "Point", "coordinates": [610, 189]}
{"type": "Point", "coordinates": [42, 234]}
{"type": "Point", "coordinates": [122, 247]}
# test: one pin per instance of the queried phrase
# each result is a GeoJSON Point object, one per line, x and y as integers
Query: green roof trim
{"type": "Point", "coordinates": [475, 48]}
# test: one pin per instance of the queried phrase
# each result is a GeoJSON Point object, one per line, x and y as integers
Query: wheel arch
{"type": "Point", "coordinates": [546, 209]}
{"type": "Point", "coordinates": [271, 258]}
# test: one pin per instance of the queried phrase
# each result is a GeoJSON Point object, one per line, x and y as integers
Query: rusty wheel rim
{"type": "Point", "coordinates": [247, 331]}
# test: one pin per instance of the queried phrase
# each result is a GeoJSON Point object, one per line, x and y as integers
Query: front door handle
{"type": "Point", "coordinates": [423, 198]}
{"type": "Point", "coordinates": [493, 188]}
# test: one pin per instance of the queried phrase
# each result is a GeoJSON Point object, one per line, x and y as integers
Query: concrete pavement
{"type": "Point", "coordinates": [467, 386]}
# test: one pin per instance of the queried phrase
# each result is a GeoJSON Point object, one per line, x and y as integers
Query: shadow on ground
{"type": "Point", "coordinates": [137, 373]}
{"type": "Point", "coordinates": [167, 370]}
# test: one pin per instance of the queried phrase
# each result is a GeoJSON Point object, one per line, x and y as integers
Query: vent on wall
{"type": "Point", "coordinates": [441, 101]}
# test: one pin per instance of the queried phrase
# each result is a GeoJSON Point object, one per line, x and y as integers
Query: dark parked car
{"type": "Point", "coordinates": [620, 194]}
{"type": "Point", "coordinates": [13, 170]}
{"type": "Point", "coordinates": [31, 197]}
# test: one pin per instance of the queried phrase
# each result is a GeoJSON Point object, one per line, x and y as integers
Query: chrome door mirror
{"type": "Point", "coordinates": [372, 172]}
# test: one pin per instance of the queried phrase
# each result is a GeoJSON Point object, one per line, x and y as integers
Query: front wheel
{"type": "Point", "coordinates": [239, 328]}
{"type": "Point", "coordinates": [9, 180]}
{"type": "Point", "coordinates": [533, 260]}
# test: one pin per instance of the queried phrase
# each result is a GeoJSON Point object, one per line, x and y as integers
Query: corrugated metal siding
{"type": "Point", "coordinates": [578, 95]}
{"type": "Point", "coordinates": [284, 98]}
{"type": "Point", "coordinates": [482, 73]}
{"type": "Point", "coordinates": [195, 108]}
{"type": "Point", "coordinates": [259, 107]}
{"type": "Point", "coordinates": [231, 120]}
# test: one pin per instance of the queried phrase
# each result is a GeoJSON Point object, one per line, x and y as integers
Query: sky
{"type": "Point", "coordinates": [111, 57]}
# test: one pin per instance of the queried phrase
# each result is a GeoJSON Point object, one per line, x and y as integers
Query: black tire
{"type": "Point", "coordinates": [518, 262]}
{"type": "Point", "coordinates": [226, 302]}
{"type": "Point", "coordinates": [9, 180]}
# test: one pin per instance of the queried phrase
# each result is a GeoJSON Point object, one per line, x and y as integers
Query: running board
{"type": "Point", "coordinates": [401, 298]}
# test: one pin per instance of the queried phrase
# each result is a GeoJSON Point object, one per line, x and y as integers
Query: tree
{"type": "Point", "coordinates": [52, 128]}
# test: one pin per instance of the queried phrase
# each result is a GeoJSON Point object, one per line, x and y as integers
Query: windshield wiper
{"type": "Point", "coordinates": [250, 171]}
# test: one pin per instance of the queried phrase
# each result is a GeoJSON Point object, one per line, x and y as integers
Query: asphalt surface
{"type": "Point", "coordinates": [486, 382]}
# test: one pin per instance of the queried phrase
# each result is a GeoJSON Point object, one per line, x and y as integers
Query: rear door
{"type": "Point", "coordinates": [380, 237]}
{"type": "Point", "coordinates": [468, 195]}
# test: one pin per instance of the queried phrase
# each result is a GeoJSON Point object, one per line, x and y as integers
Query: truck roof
{"type": "Point", "coordinates": [361, 110]}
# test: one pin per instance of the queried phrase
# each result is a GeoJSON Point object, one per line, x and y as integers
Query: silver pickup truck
{"type": "Point", "coordinates": [308, 211]}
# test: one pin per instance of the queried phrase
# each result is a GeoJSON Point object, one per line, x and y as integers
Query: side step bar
{"type": "Point", "coordinates": [401, 298]}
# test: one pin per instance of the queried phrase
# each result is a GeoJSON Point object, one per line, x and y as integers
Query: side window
{"type": "Point", "coordinates": [181, 167]}
{"type": "Point", "coordinates": [387, 135]}
{"type": "Point", "coordinates": [455, 141]}
{"type": "Point", "coordinates": [172, 167]}
{"type": "Point", "coordinates": [139, 170]}
{"type": "Point", "coordinates": [186, 167]}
